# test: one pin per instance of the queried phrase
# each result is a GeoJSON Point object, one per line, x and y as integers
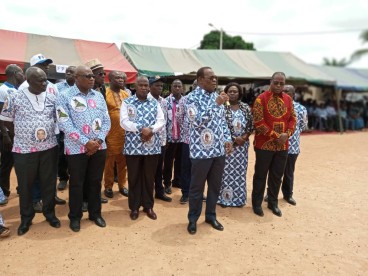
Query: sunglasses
{"type": "Point", "coordinates": [89, 76]}
{"type": "Point", "coordinates": [101, 74]}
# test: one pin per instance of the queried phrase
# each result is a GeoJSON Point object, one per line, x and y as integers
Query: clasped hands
{"type": "Point", "coordinates": [146, 134]}
{"type": "Point", "coordinates": [92, 146]}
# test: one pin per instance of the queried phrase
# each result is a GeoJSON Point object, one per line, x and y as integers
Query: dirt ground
{"type": "Point", "coordinates": [325, 234]}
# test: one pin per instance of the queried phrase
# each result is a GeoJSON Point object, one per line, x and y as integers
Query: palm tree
{"type": "Point", "coordinates": [361, 52]}
{"type": "Point", "coordinates": [334, 62]}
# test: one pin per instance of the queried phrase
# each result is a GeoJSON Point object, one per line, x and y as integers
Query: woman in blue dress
{"type": "Point", "coordinates": [239, 118]}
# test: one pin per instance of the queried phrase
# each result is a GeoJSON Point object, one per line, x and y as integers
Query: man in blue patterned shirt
{"type": "Point", "coordinates": [142, 118]}
{"type": "Point", "coordinates": [210, 140]}
{"type": "Point", "coordinates": [83, 117]}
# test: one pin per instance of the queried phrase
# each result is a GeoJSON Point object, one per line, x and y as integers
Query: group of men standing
{"type": "Point", "coordinates": [142, 135]}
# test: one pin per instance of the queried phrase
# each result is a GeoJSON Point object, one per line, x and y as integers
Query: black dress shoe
{"type": "Point", "coordinates": [150, 213]}
{"type": "Point", "coordinates": [164, 197]}
{"type": "Point", "coordinates": [184, 199]}
{"type": "Point", "coordinates": [75, 225]}
{"type": "Point", "coordinates": [204, 198]}
{"type": "Point", "coordinates": [84, 206]}
{"type": "Point", "coordinates": [215, 224]}
{"type": "Point", "coordinates": [168, 190]}
{"type": "Point", "coordinates": [23, 228]}
{"type": "Point", "coordinates": [59, 201]}
{"type": "Point", "coordinates": [62, 185]}
{"type": "Point", "coordinates": [124, 191]}
{"type": "Point", "coordinates": [104, 200]}
{"type": "Point", "coordinates": [109, 193]}
{"type": "Point", "coordinates": [290, 200]}
{"type": "Point", "coordinates": [275, 210]}
{"type": "Point", "coordinates": [258, 211]}
{"type": "Point", "coordinates": [134, 214]}
{"type": "Point", "coordinates": [54, 222]}
{"type": "Point", "coordinates": [99, 221]}
{"type": "Point", "coordinates": [192, 227]}
{"type": "Point", "coordinates": [266, 198]}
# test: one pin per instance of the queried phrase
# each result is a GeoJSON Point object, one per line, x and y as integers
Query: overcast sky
{"type": "Point", "coordinates": [182, 24]}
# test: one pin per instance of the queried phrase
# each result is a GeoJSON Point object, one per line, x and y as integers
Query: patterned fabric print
{"type": "Point", "coordinates": [273, 115]}
{"type": "Point", "coordinates": [183, 120]}
{"type": "Point", "coordinates": [208, 128]}
{"type": "Point", "coordinates": [163, 104]}
{"type": "Point", "coordinates": [5, 90]}
{"type": "Point", "coordinates": [233, 188]}
{"type": "Point", "coordinates": [51, 88]}
{"type": "Point", "coordinates": [144, 114]}
{"type": "Point", "coordinates": [34, 130]}
{"type": "Point", "coordinates": [302, 122]}
{"type": "Point", "coordinates": [170, 101]}
{"type": "Point", "coordinates": [82, 118]}
{"type": "Point", "coordinates": [63, 85]}
{"type": "Point", "coordinates": [247, 114]}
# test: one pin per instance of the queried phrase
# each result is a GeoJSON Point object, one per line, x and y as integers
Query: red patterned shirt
{"type": "Point", "coordinates": [272, 115]}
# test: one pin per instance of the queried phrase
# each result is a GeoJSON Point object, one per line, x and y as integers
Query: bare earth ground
{"type": "Point", "coordinates": [325, 234]}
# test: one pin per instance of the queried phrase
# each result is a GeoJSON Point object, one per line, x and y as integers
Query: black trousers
{"type": "Point", "coordinates": [271, 163]}
{"type": "Point", "coordinates": [141, 176]}
{"type": "Point", "coordinates": [159, 187]}
{"type": "Point", "coordinates": [172, 157]}
{"type": "Point", "coordinates": [6, 165]}
{"type": "Point", "coordinates": [29, 167]}
{"type": "Point", "coordinates": [185, 170]}
{"type": "Point", "coordinates": [63, 163]}
{"type": "Point", "coordinates": [288, 180]}
{"type": "Point", "coordinates": [89, 170]}
{"type": "Point", "coordinates": [210, 169]}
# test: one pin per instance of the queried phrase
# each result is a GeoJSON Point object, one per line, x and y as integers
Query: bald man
{"type": "Point", "coordinates": [27, 113]}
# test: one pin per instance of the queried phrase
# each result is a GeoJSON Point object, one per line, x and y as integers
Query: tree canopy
{"type": "Point", "coordinates": [335, 62]}
{"type": "Point", "coordinates": [212, 41]}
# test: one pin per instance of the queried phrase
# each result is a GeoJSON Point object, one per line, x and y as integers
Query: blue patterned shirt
{"type": "Point", "coordinates": [301, 124]}
{"type": "Point", "coordinates": [163, 105]}
{"type": "Point", "coordinates": [169, 125]}
{"type": "Point", "coordinates": [134, 116]}
{"type": "Point", "coordinates": [63, 85]}
{"type": "Point", "coordinates": [82, 118]}
{"type": "Point", "coordinates": [183, 120]}
{"type": "Point", "coordinates": [208, 128]}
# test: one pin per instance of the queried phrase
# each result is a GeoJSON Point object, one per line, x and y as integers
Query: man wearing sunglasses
{"type": "Point", "coordinates": [99, 73]}
{"type": "Point", "coordinates": [274, 121]}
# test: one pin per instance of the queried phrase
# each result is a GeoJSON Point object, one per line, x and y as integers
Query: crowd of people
{"type": "Point", "coordinates": [85, 134]}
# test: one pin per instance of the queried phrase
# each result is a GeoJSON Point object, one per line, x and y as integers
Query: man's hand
{"type": "Point", "coordinates": [92, 147]}
{"type": "Point", "coordinates": [146, 134]}
{"type": "Point", "coordinates": [222, 98]}
{"type": "Point", "coordinates": [282, 139]}
{"type": "Point", "coordinates": [7, 143]}
{"type": "Point", "coordinates": [228, 147]}
{"type": "Point", "coordinates": [239, 141]}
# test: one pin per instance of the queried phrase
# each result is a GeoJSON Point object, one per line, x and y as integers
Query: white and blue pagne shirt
{"type": "Point", "coordinates": [136, 115]}
{"type": "Point", "coordinates": [301, 124]}
{"type": "Point", "coordinates": [82, 117]}
{"type": "Point", "coordinates": [208, 128]}
{"type": "Point", "coordinates": [5, 90]}
{"type": "Point", "coordinates": [163, 105]}
{"type": "Point", "coordinates": [63, 85]}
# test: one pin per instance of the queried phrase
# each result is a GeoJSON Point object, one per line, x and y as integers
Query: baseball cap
{"type": "Point", "coordinates": [38, 59]}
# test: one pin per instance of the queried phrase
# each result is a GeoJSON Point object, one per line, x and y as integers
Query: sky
{"type": "Point", "coordinates": [311, 29]}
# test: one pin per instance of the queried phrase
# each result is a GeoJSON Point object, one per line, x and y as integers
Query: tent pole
{"type": "Point", "coordinates": [338, 93]}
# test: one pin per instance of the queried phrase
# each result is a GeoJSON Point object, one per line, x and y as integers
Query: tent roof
{"type": "Point", "coordinates": [18, 48]}
{"type": "Point", "coordinates": [347, 78]}
{"type": "Point", "coordinates": [151, 60]}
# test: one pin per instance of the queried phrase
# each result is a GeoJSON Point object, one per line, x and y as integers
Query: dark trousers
{"type": "Point", "coordinates": [159, 188]}
{"type": "Point", "coordinates": [172, 157]}
{"type": "Point", "coordinates": [210, 169]}
{"type": "Point", "coordinates": [63, 163]}
{"type": "Point", "coordinates": [29, 167]}
{"type": "Point", "coordinates": [288, 180]}
{"type": "Point", "coordinates": [141, 176]}
{"type": "Point", "coordinates": [6, 165]}
{"type": "Point", "coordinates": [185, 170]}
{"type": "Point", "coordinates": [86, 170]}
{"type": "Point", "coordinates": [273, 164]}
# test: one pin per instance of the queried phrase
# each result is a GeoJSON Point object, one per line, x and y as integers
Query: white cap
{"type": "Point", "coordinates": [39, 58]}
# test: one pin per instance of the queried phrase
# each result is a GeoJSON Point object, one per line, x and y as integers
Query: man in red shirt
{"type": "Point", "coordinates": [274, 122]}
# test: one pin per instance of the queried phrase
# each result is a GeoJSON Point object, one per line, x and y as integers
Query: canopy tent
{"type": "Point", "coordinates": [18, 48]}
{"type": "Point", "coordinates": [231, 64]}
{"type": "Point", "coordinates": [346, 78]}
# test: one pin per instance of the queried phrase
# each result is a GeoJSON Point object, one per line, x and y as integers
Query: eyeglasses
{"type": "Point", "coordinates": [212, 78]}
{"type": "Point", "coordinates": [89, 76]}
{"type": "Point", "coordinates": [278, 83]}
{"type": "Point", "coordinates": [101, 74]}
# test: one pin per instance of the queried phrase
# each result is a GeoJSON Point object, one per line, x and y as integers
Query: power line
{"type": "Point", "coordinates": [302, 33]}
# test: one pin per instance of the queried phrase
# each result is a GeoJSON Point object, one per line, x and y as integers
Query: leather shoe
{"type": "Point", "coordinates": [168, 190]}
{"type": "Point", "coordinates": [23, 228]}
{"type": "Point", "coordinates": [99, 221]}
{"type": "Point", "coordinates": [75, 225]}
{"type": "Point", "coordinates": [134, 214]}
{"type": "Point", "coordinates": [215, 224]}
{"type": "Point", "coordinates": [62, 185]}
{"type": "Point", "coordinates": [290, 200]}
{"type": "Point", "coordinates": [84, 206]}
{"type": "Point", "coordinates": [258, 211]}
{"type": "Point", "coordinates": [109, 193]}
{"type": "Point", "coordinates": [124, 191]}
{"type": "Point", "coordinates": [164, 197]}
{"type": "Point", "coordinates": [266, 198]}
{"type": "Point", "coordinates": [192, 228]}
{"type": "Point", "coordinates": [150, 213]}
{"type": "Point", "coordinates": [54, 222]}
{"type": "Point", "coordinates": [104, 200]}
{"type": "Point", "coordinates": [275, 210]}
{"type": "Point", "coordinates": [59, 201]}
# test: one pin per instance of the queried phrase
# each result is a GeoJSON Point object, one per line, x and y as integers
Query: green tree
{"type": "Point", "coordinates": [334, 62]}
{"type": "Point", "coordinates": [212, 41]}
{"type": "Point", "coordinates": [361, 52]}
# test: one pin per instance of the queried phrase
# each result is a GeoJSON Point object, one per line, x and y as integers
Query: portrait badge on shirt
{"type": "Point", "coordinates": [78, 104]}
{"type": "Point", "coordinates": [150, 143]}
{"type": "Point", "coordinates": [6, 106]}
{"type": "Point", "coordinates": [237, 126]}
{"type": "Point", "coordinates": [40, 134]}
{"type": "Point", "coordinates": [62, 116]}
{"type": "Point", "coordinates": [132, 112]}
{"type": "Point", "coordinates": [227, 195]}
{"type": "Point", "coordinates": [207, 138]}
{"type": "Point", "coordinates": [192, 112]}
{"type": "Point", "coordinates": [96, 125]}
